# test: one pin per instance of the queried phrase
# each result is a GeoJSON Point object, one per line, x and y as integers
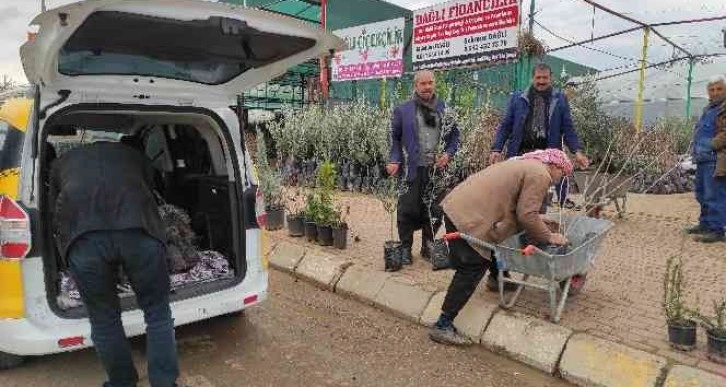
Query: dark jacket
{"type": "Point", "coordinates": [404, 135]}
{"type": "Point", "coordinates": [511, 129]}
{"type": "Point", "coordinates": [719, 142]}
{"type": "Point", "coordinates": [102, 186]}
{"type": "Point", "coordinates": [704, 133]}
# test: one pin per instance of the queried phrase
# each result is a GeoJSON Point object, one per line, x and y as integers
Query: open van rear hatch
{"type": "Point", "coordinates": [190, 47]}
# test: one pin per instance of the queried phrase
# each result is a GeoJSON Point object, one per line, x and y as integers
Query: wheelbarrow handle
{"type": "Point", "coordinates": [452, 236]}
{"type": "Point", "coordinates": [526, 251]}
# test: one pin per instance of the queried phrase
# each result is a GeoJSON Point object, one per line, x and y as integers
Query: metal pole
{"type": "Point", "coordinates": [690, 80]}
{"type": "Point", "coordinates": [43, 7]}
{"type": "Point", "coordinates": [641, 82]}
{"type": "Point", "coordinates": [531, 17]}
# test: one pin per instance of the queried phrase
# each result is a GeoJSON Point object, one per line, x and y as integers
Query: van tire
{"type": "Point", "coordinates": [237, 314]}
{"type": "Point", "coordinates": [8, 361]}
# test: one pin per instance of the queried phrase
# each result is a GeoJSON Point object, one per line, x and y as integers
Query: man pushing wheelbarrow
{"type": "Point", "coordinates": [487, 209]}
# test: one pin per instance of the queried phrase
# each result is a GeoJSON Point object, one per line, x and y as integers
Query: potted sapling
{"type": "Point", "coordinates": [681, 324]}
{"type": "Point", "coordinates": [273, 195]}
{"type": "Point", "coordinates": [296, 213]}
{"type": "Point", "coordinates": [716, 332]}
{"type": "Point", "coordinates": [270, 182]}
{"type": "Point", "coordinates": [325, 184]}
{"type": "Point", "coordinates": [388, 194]}
{"type": "Point", "coordinates": [340, 227]}
{"type": "Point", "coordinates": [312, 216]}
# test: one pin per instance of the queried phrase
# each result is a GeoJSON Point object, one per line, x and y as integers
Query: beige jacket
{"type": "Point", "coordinates": [501, 200]}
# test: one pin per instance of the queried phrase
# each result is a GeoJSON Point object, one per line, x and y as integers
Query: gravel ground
{"type": "Point", "coordinates": [622, 299]}
{"type": "Point", "coordinates": [302, 336]}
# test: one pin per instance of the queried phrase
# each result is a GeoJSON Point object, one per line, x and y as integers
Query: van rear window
{"type": "Point", "coordinates": [209, 51]}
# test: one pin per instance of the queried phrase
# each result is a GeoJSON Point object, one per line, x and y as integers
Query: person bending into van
{"type": "Point", "coordinates": [105, 216]}
{"type": "Point", "coordinates": [493, 205]}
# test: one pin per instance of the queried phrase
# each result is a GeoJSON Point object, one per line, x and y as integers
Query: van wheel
{"type": "Point", "coordinates": [237, 314]}
{"type": "Point", "coordinates": [8, 361]}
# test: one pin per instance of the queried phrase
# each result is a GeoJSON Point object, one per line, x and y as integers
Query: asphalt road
{"type": "Point", "coordinates": [302, 336]}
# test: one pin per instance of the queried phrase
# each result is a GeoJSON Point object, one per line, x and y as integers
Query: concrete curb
{"type": "Point", "coordinates": [578, 358]}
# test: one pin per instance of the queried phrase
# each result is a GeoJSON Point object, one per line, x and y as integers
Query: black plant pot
{"type": "Point", "coordinates": [682, 336]}
{"type": "Point", "coordinates": [311, 231]}
{"type": "Point", "coordinates": [340, 237]}
{"type": "Point", "coordinates": [716, 347]}
{"type": "Point", "coordinates": [325, 235]}
{"type": "Point", "coordinates": [275, 219]}
{"type": "Point", "coordinates": [392, 252]}
{"type": "Point", "coordinates": [439, 255]}
{"type": "Point", "coordinates": [295, 226]}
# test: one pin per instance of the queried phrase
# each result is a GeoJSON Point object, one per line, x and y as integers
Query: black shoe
{"type": "Point", "coordinates": [695, 230]}
{"type": "Point", "coordinates": [406, 257]}
{"type": "Point", "coordinates": [425, 252]}
{"type": "Point", "coordinates": [448, 335]}
{"type": "Point", "coordinates": [712, 237]}
{"type": "Point", "coordinates": [493, 285]}
{"type": "Point", "coordinates": [570, 205]}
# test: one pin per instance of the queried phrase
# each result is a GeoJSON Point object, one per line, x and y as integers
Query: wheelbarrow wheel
{"type": "Point", "coordinates": [576, 285]}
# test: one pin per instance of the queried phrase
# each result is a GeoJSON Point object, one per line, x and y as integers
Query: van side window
{"type": "Point", "coordinates": [11, 146]}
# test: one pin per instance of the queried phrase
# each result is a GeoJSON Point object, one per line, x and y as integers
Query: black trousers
{"type": "Point", "coordinates": [470, 268]}
{"type": "Point", "coordinates": [413, 213]}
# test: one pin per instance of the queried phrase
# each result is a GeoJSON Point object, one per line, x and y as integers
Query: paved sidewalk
{"type": "Point", "coordinates": [622, 300]}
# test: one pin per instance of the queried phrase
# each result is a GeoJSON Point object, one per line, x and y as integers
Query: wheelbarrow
{"type": "Point", "coordinates": [585, 235]}
{"type": "Point", "coordinates": [601, 189]}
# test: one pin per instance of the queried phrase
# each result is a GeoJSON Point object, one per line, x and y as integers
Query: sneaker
{"type": "Point", "coordinates": [695, 230]}
{"type": "Point", "coordinates": [448, 335]}
{"type": "Point", "coordinates": [712, 237]}
{"type": "Point", "coordinates": [493, 285]}
{"type": "Point", "coordinates": [406, 257]}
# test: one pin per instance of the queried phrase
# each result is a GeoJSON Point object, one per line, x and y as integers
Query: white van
{"type": "Point", "coordinates": [169, 72]}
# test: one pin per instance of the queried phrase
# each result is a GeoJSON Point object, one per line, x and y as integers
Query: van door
{"type": "Point", "coordinates": [188, 48]}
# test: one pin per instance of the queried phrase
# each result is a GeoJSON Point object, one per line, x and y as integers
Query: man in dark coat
{"type": "Point", "coordinates": [538, 118]}
{"type": "Point", "coordinates": [710, 185]}
{"type": "Point", "coordinates": [105, 216]}
{"type": "Point", "coordinates": [418, 127]}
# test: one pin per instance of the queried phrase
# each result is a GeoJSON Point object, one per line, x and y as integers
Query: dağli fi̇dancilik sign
{"type": "Point", "coordinates": [465, 34]}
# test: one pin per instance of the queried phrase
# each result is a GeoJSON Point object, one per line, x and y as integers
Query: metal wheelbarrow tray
{"type": "Point", "coordinates": [585, 235]}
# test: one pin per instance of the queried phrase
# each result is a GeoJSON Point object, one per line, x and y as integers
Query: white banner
{"type": "Point", "coordinates": [465, 33]}
{"type": "Point", "coordinates": [372, 51]}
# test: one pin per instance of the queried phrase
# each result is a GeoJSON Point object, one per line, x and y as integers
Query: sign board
{"type": "Point", "coordinates": [372, 51]}
{"type": "Point", "coordinates": [465, 33]}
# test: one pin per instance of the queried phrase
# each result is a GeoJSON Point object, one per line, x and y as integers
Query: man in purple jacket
{"type": "Point", "coordinates": [419, 131]}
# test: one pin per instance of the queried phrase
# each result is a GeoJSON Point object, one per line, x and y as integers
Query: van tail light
{"type": "Point", "coordinates": [260, 211]}
{"type": "Point", "coordinates": [15, 234]}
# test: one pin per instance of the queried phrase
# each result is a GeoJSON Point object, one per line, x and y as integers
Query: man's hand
{"type": "Point", "coordinates": [442, 161]}
{"type": "Point", "coordinates": [557, 239]}
{"type": "Point", "coordinates": [581, 160]}
{"type": "Point", "coordinates": [494, 157]}
{"type": "Point", "coordinates": [392, 169]}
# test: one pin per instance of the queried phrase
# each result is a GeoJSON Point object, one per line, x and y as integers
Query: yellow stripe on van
{"type": "Point", "coordinates": [9, 182]}
{"type": "Point", "coordinates": [16, 112]}
{"type": "Point", "coordinates": [264, 249]}
{"type": "Point", "coordinates": [11, 290]}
